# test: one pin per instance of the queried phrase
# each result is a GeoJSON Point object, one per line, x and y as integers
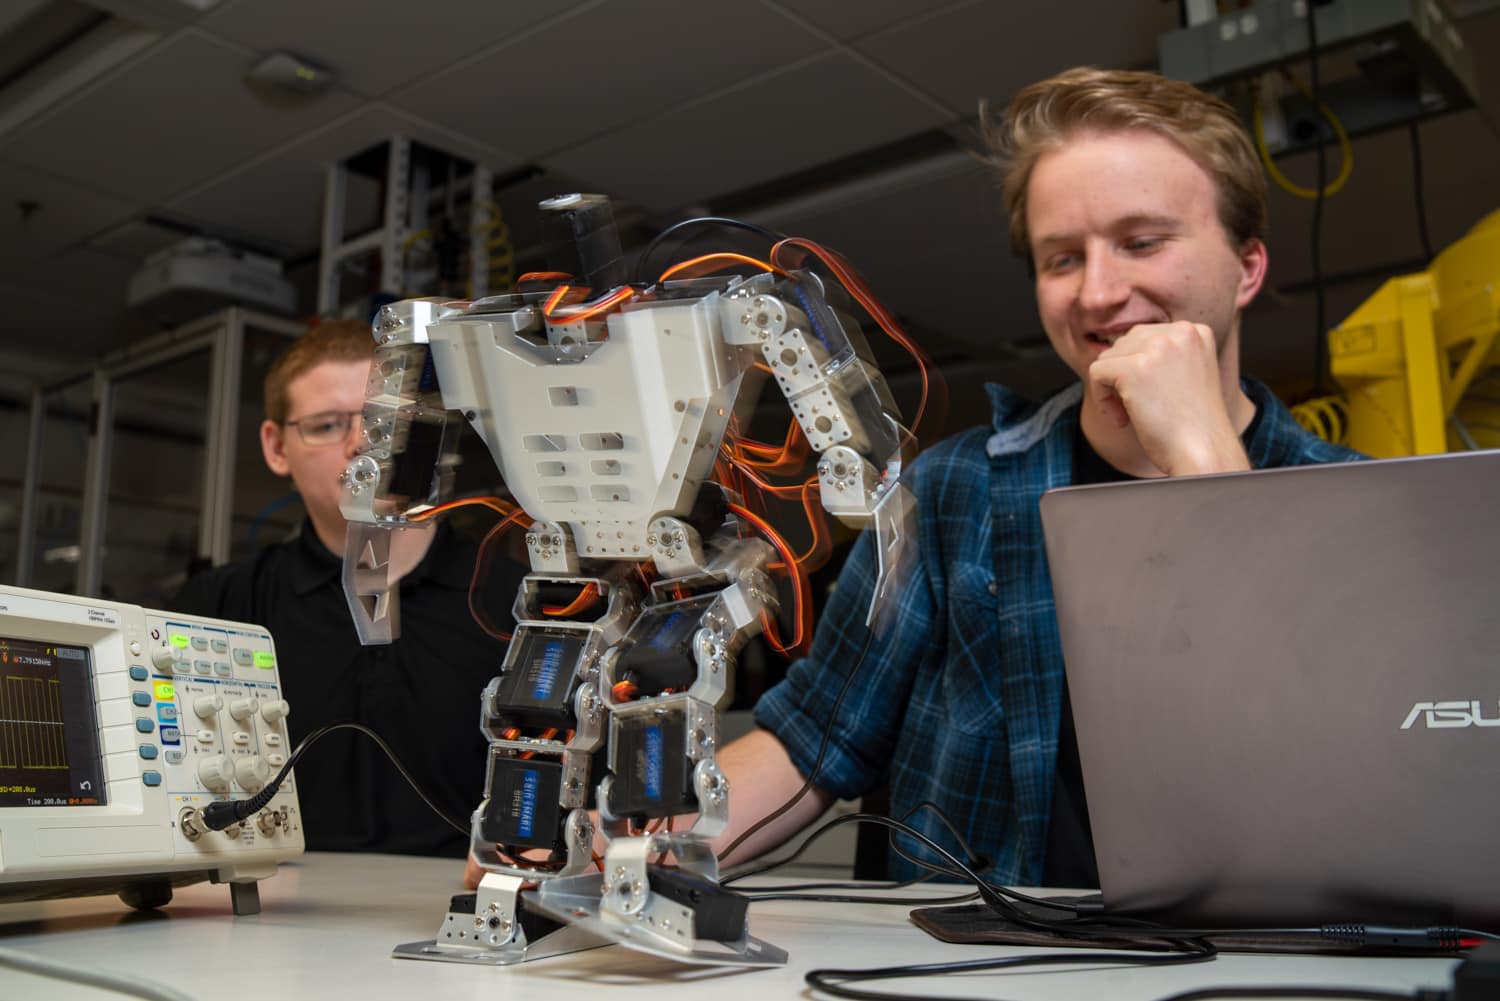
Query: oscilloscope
{"type": "Point", "coordinates": [118, 725]}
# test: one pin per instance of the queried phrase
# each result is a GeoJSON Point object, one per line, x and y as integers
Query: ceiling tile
{"type": "Point", "coordinates": [993, 49]}
{"type": "Point", "coordinates": [823, 110]}
{"type": "Point", "coordinates": [849, 19]}
{"type": "Point", "coordinates": [375, 50]}
{"type": "Point", "coordinates": [65, 214]}
{"type": "Point", "coordinates": [171, 120]}
{"type": "Point", "coordinates": [605, 68]}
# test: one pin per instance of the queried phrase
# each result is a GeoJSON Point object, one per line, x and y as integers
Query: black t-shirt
{"type": "Point", "coordinates": [1069, 859]}
{"type": "Point", "coordinates": [420, 693]}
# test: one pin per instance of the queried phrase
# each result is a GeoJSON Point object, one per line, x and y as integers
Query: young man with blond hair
{"type": "Point", "coordinates": [420, 693]}
{"type": "Point", "coordinates": [1139, 204]}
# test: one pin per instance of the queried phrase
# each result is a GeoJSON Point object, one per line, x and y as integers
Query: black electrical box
{"type": "Point", "coordinates": [523, 809]}
{"type": "Point", "coordinates": [537, 686]}
{"type": "Point", "coordinates": [652, 774]}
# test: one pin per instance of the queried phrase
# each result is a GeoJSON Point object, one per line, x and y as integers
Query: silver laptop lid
{"type": "Point", "coordinates": [1286, 686]}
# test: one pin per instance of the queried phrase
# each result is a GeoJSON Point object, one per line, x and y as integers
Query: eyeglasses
{"type": "Point", "coordinates": [328, 428]}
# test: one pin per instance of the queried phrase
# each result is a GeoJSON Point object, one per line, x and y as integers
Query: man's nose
{"type": "Point", "coordinates": [355, 436]}
{"type": "Point", "coordinates": [1104, 283]}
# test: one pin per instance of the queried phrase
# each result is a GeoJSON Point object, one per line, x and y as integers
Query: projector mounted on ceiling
{"type": "Point", "coordinates": [199, 275]}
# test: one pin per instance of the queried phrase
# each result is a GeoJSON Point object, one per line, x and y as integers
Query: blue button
{"type": "Point", "coordinates": [141, 698]}
{"type": "Point", "coordinates": [170, 735]}
{"type": "Point", "coordinates": [148, 751]}
{"type": "Point", "coordinates": [166, 712]}
{"type": "Point", "coordinates": [145, 725]}
{"type": "Point", "coordinates": [139, 673]}
{"type": "Point", "coordinates": [151, 778]}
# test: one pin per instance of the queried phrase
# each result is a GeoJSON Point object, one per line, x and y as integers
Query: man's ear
{"type": "Point", "coordinates": [273, 448]}
{"type": "Point", "coordinates": [1254, 259]}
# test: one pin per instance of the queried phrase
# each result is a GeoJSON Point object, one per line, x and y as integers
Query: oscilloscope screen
{"type": "Point", "coordinates": [49, 745]}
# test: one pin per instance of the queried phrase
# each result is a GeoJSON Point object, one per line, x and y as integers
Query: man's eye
{"type": "Point", "coordinates": [1060, 262]}
{"type": "Point", "coordinates": [324, 425]}
{"type": "Point", "coordinates": [1141, 243]}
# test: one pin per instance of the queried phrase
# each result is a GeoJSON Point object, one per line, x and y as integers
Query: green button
{"type": "Point", "coordinates": [263, 658]}
{"type": "Point", "coordinates": [180, 640]}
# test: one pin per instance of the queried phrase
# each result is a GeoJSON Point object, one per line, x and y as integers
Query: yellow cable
{"type": "Point", "coordinates": [1345, 149]}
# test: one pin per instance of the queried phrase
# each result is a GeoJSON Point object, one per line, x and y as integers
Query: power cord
{"type": "Point", "coordinates": [104, 980]}
{"type": "Point", "coordinates": [223, 813]}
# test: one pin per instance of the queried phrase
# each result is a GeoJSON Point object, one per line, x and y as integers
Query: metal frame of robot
{"type": "Point", "coordinates": [663, 374]}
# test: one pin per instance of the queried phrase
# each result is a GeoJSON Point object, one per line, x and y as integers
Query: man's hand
{"type": "Point", "coordinates": [1162, 380]}
{"type": "Point", "coordinates": [472, 873]}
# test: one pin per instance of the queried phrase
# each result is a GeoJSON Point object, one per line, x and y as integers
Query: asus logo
{"type": "Point", "coordinates": [1448, 714]}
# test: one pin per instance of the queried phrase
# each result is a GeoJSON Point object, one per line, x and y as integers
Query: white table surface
{"type": "Point", "coordinates": [328, 923]}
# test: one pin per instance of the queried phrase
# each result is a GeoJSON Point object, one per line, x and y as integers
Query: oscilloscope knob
{"type": "Point", "coordinates": [207, 706]}
{"type": "Point", "coordinates": [251, 772]}
{"type": "Point", "coordinates": [274, 709]}
{"type": "Point", "coordinates": [164, 657]}
{"type": "Point", "coordinates": [215, 772]}
{"type": "Point", "coordinates": [242, 709]}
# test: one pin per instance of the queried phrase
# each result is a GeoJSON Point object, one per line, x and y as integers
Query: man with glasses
{"type": "Point", "coordinates": [420, 693]}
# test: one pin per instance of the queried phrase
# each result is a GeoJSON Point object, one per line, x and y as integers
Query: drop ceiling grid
{"type": "Point", "coordinates": [65, 213]}
{"type": "Point", "coordinates": [991, 49]}
{"type": "Point", "coordinates": [374, 48]}
{"type": "Point", "coordinates": [620, 64]}
{"type": "Point", "coordinates": [177, 116]}
{"type": "Point", "coordinates": [820, 111]}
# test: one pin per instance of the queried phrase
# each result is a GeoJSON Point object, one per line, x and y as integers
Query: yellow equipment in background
{"type": "Point", "coordinates": [1417, 361]}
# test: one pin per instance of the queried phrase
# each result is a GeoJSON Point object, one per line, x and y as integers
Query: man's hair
{"type": "Point", "coordinates": [1045, 115]}
{"type": "Point", "coordinates": [333, 340]}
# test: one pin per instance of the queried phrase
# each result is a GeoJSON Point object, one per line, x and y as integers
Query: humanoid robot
{"type": "Point", "coordinates": [607, 419]}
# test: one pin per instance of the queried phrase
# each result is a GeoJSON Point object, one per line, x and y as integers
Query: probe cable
{"type": "Point", "coordinates": [222, 813]}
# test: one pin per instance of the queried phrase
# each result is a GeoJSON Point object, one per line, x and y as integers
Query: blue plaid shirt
{"type": "Point", "coordinates": [958, 702]}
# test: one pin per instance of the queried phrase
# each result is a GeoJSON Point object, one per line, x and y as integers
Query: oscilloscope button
{"type": "Point", "coordinates": [141, 699]}
{"type": "Point", "coordinates": [220, 645]}
{"type": "Point", "coordinates": [151, 778]}
{"type": "Point", "coordinates": [243, 656]}
{"type": "Point", "coordinates": [145, 725]}
{"type": "Point", "coordinates": [148, 751]}
{"type": "Point", "coordinates": [200, 642]}
{"type": "Point", "coordinates": [134, 647]}
{"type": "Point", "coordinates": [139, 673]}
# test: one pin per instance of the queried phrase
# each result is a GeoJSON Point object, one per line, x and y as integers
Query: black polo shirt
{"type": "Point", "coordinates": [421, 693]}
{"type": "Point", "coordinates": [1069, 860]}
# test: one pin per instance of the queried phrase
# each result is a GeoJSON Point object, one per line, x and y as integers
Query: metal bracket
{"type": "Point", "coordinates": [494, 934]}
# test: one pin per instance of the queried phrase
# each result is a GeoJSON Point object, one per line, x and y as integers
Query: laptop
{"type": "Point", "coordinates": [1286, 686]}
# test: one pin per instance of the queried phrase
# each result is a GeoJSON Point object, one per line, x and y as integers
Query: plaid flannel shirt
{"type": "Point", "coordinates": [958, 702]}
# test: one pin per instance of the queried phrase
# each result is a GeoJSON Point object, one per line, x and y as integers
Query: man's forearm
{"type": "Point", "coordinates": [761, 779]}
